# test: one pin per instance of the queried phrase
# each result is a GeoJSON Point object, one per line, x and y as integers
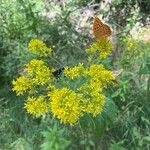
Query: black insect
{"type": "Point", "coordinates": [58, 72]}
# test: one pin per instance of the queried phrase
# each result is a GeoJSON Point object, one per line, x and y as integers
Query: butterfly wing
{"type": "Point", "coordinates": [107, 30]}
{"type": "Point", "coordinates": [100, 30]}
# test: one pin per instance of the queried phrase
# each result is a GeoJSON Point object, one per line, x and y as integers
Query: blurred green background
{"type": "Point", "coordinates": [66, 27]}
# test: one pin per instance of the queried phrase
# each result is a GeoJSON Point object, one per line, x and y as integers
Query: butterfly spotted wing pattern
{"type": "Point", "coordinates": [100, 30]}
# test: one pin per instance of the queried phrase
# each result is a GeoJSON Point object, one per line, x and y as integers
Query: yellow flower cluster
{"type": "Point", "coordinates": [94, 99]}
{"type": "Point", "coordinates": [66, 105]}
{"type": "Point", "coordinates": [21, 85]}
{"type": "Point", "coordinates": [135, 49]}
{"type": "Point", "coordinates": [68, 100]}
{"type": "Point", "coordinates": [130, 43]}
{"type": "Point", "coordinates": [99, 78]}
{"type": "Point", "coordinates": [74, 71]}
{"type": "Point", "coordinates": [96, 78]}
{"type": "Point", "coordinates": [38, 47]}
{"type": "Point", "coordinates": [39, 72]}
{"type": "Point", "coordinates": [95, 104]}
{"type": "Point", "coordinates": [36, 106]}
{"type": "Point", "coordinates": [103, 47]}
{"type": "Point", "coordinates": [99, 74]}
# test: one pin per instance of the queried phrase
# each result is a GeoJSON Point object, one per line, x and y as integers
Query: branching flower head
{"type": "Point", "coordinates": [95, 104]}
{"type": "Point", "coordinates": [130, 43]}
{"type": "Point", "coordinates": [99, 74]}
{"type": "Point", "coordinates": [21, 85]}
{"type": "Point", "coordinates": [39, 72]}
{"type": "Point", "coordinates": [65, 104]}
{"type": "Point", "coordinates": [103, 47]}
{"type": "Point", "coordinates": [79, 94]}
{"type": "Point", "coordinates": [94, 98]}
{"type": "Point", "coordinates": [38, 47]}
{"type": "Point", "coordinates": [36, 106]}
{"type": "Point", "coordinates": [74, 71]}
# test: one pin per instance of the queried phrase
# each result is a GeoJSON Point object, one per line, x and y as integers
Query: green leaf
{"type": "Point", "coordinates": [54, 139]}
{"type": "Point", "coordinates": [99, 123]}
{"type": "Point", "coordinates": [20, 144]}
{"type": "Point", "coordinates": [145, 69]}
{"type": "Point", "coordinates": [147, 138]}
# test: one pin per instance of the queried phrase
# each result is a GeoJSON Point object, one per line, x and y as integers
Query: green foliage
{"type": "Point", "coordinates": [102, 121]}
{"type": "Point", "coordinates": [23, 20]}
{"type": "Point", "coordinates": [116, 146]}
{"type": "Point", "coordinates": [20, 144]}
{"type": "Point", "coordinates": [54, 139]}
{"type": "Point", "coordinates": [132, 96]}
{"type": "Point", "coordinates": [15, 30]}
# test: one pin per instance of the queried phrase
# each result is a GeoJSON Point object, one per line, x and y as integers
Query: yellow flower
{"type": "Point", "coordinates": [94, 99]}
{"type": "Point", "coordinates": [99, 74]}
{"type": "Point", "coordinates": [130, 43]}
{"type": "Point", "coordinates": [65, 104]}
{"type": "Point", "coordinates": [95, 104]}
{"type": "Point", "coordinates": [36, 106]}
{"type": "Point", "coordinates": [39, 72]}
{"type": "Point", "coordinates": [89, 87]}
{"type": "Point", "coordinates": [103, 47]}
{"type": "Point", "coordinates": [38, 47]}
{"type": "Point", "coordinates": [51, 87]}
{"type": "Point", "coordinates": [74, 71]}
{"type": "Point", "coordinates": [21, 85]}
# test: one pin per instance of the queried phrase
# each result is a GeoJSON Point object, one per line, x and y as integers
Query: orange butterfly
{"type": "Point", "coordinates": [100, 30]}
